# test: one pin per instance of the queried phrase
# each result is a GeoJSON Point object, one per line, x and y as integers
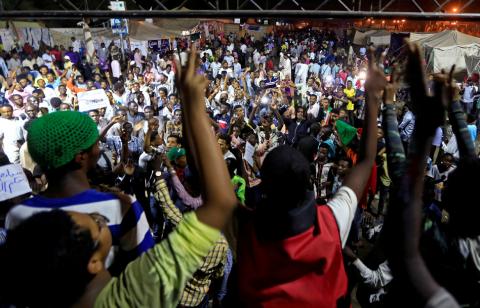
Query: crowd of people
{"type": "Point", "coordinates": [238, 172]}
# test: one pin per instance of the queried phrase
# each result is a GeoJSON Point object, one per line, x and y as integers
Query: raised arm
{"type": "Point", "coordinates": [112, 122]}
{"type": "Point", "coordinates": [274, 108]}
{"type": "Point", "coordinates": [403, 224]}
{"type": "Point", "coordinates": [358, 177]}
{"type": "Point", "coordinates": [254, 111]}
{"type": "Point", "coordinates": [396, 160]}
{"type": "Point", "coordinates": [217, 192]}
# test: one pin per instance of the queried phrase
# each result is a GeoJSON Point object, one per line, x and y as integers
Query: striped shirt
{"type": "Point", "coordinates": [128, 224]}
{"type": "Point", "coordinates": [214, 262]}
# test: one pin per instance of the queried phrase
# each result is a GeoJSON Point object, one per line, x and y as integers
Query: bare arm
{"type": "Point", "coordinates": [217, 192]}
{"type": "Point", "coordinates": [358, 177]}
{"type": "Point", "coordinates": [273, 106]}
{"type": "Point", "coordinates": [403, 225]}
{"type": "Point", "coordinates": [104, 130]}
{"type": "Point", "coordinates": [253, 113]}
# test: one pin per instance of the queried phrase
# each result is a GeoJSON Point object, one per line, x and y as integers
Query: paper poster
{"type": "Point", "coordinates": [164, 45]}
{"type": "Point", "coordinates": [249, 151]}
{"type": "Point", "coordinates": [13, 182]}
{"type": "Point", "coordinates": [94, 99]}
{"type": "Point", "coordinates": [154, 45]}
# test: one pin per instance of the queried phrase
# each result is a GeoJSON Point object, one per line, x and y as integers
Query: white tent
{"type": "Point", "coordinates": [444, 49]}
{"type": "Point", "coordinates": [417, 36]}
{"type": "Point", "coordinates": [473, 64]}
{"type": "Point", "coordinates": [376, 37]}
{"type": "Point", "coordinates": [379, 38]}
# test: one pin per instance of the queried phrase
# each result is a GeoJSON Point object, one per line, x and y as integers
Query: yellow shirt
{"type": "Point", "coordinates": [350, 93]}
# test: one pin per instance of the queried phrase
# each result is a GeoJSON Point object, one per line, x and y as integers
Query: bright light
{"type": "Point", "coordinates": [455, 9]}
{"type": "Point", "coordinates": [403, 20]}
{"type": "Point", "coordinates": [264, 100]}
{"type": "Point", "coordinates": [383, 21]}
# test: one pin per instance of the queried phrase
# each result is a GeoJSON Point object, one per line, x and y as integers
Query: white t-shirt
{"type": "Point", "coordinates": [243, 48]}
{"type": "Point", "coordinates": [116, 70]}
{"type": "Point", "coordinates": [28, 63]}
{"type": "Point", "coordinates": [183, 58]}
{"type": "Point", "coordinates": [166, 113]}
{"type": "Point", "coordinates": [10, 134]}
{"type": "Point", "coordinates": [314, 109]}
{"type": "Point", "coordinates": [76, 46]}
{"type": "Point", "coordinates": [215, 66]}
{"type": "Point", "coordinates": [229, 60]}
{"type": "Point", "coordinates": [49, 93]}
{"type": "Point", "coordinates": [343, 205]}
{"type": "Point", "coordinates": [48, 59]}
{"type": "Point", "coordinates": [228, 70]}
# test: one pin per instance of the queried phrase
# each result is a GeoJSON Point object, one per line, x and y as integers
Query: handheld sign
{"type": "Point", "coordinates": [249, 152]}
{"type": "Point", "coordinates": [13, 182]}
{"type": "Point", "coordinates": [94, 99]}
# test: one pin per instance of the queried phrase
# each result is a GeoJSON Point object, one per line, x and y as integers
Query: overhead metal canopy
{"type": "Point", "coordinates": [140, 14]}
{"type": "Point", "coordinates": [406, 6]}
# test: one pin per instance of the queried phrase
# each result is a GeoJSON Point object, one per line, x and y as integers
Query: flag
{"type": "Point", "coordinates": [345, 132]}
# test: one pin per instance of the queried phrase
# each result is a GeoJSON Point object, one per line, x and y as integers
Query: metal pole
{"type": "Point", "coordinates": [121, 46]}
{"type": "Point", "coordinates": [442, 5]}
{"type": "Point", "coordinates": [141, 14]}
{"type": "Point", "coordinates": [387, 5]}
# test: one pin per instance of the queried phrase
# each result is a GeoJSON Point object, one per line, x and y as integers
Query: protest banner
{"type": "Point", "coordinates": [90, 100]}
{"type": "Point", "coordinates": [13, 182]}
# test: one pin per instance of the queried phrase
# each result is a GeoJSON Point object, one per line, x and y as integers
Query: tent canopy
{"type": "Point", "coordinates": [473, 64]}
{"type": "Point", "coordinates": [377, 37]}
{"type": "Point", "coordinates": [447, 48]}
{"type": "Point", "coordinates": [449, 38]}
{"type": "Point", "coordinates": [418, 36]}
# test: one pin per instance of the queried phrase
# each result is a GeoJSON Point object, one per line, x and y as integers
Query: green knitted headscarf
{"type": "Point", "coordinates": [55, 139]}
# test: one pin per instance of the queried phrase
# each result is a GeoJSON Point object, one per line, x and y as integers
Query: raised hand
{"type": "Point", "coordinates": [427, 108]}
{"type": "Point", "coordinates": [376, 81]}
{"type": "Point", "coordinates": [450, 91]}
{"type": "Point", "coordinates": [273, 105]}
{"type": "Point", "coordinates": [191, 84]}
{"type": "Point", "coordinates": [391, 88]}
{"type": "Point", "coordinates": [415, 74]}
{"type": "Point", "coordinates": [116, 119]}
{"type": "Point", "coordinates": [138, 126]}
{"type": "Point", "coordinates": [166, 161]}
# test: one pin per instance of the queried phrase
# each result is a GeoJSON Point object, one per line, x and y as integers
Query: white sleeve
{"type": "Point", "coordinates": [343, 205]}
{"type": "Point", "coordinates": [442, 299]}
{"type": "Point", "coordinates": [374, 278]}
